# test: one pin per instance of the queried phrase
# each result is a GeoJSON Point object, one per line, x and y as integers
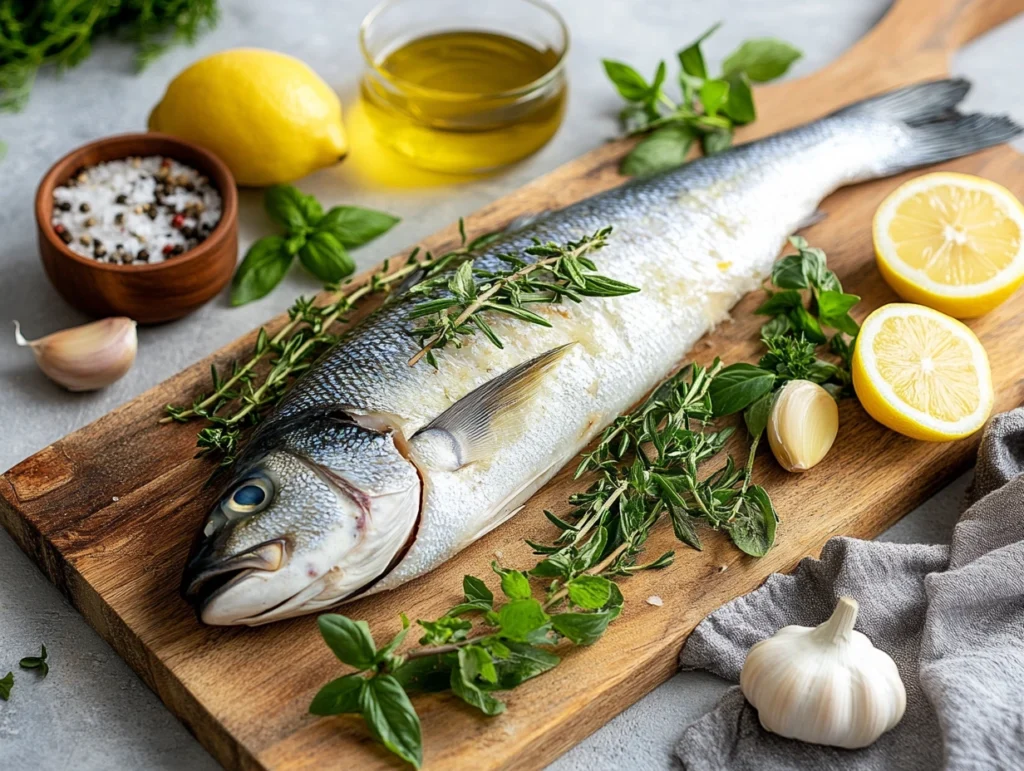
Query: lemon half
{"type": "Point", "coordinates": [922, 373]}
{"type": "Point", "coordinates": [952, 242]}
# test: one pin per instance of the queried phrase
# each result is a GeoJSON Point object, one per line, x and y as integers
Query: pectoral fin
{"type": "Point", "coordinates": [472, 427]}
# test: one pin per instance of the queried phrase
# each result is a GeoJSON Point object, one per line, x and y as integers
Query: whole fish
{"type": "Point", "coordinates": [371, 472]}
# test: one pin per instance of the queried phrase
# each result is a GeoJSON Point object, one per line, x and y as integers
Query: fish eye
{"type": "Point", "coordinates": [249, 497]}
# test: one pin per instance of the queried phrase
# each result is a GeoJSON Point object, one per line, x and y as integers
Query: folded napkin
{"type": "Point", "coordinates": [952, 618]}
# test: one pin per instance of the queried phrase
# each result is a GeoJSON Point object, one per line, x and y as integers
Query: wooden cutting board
{"type": "Point", "coordinates": [108, 512]}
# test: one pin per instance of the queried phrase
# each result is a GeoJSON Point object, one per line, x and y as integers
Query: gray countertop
{"type": "Point", "coordinates": [92, 712]}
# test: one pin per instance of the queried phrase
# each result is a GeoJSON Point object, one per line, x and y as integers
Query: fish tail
{"type": "Point", "coordinates": [934, 129]}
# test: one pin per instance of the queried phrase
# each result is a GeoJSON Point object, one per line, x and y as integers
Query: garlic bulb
{"type": "Point", "coordinates": [87, 357]}
{"type": "Point", "coordinates": [824, 685]}
{"type": "Point", "coordinates": [802, 425]}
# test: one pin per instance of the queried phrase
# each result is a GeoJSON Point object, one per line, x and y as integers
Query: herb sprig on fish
{"type": "Point", "coordinates": [645, 467]}
{"type": "Point", "coordinates": [242, 395]}
{"type": "Point", "coordinates": [554, 273]}
{"type": "Point", "coordinates": [710, 106]}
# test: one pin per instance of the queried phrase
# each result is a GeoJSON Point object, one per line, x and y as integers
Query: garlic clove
{"type": "Point", "coordinates": [802, 425]}
{"type": "Point", "coordinates": [88, 357]}
{"type": "Point", "coordinates": [824, 685]}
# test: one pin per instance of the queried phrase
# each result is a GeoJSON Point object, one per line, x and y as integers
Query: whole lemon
{"type": "Point", "coordinates": [268, 116]}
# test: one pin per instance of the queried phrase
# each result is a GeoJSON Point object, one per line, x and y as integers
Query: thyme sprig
{"type": "Point", "coordinates": [241, 396]}
{"type": "Point", "coordinates": [646, 467]}
{"type": "Point", "coordinates": [554, 273]}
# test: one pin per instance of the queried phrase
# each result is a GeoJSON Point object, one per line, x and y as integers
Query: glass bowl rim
{"type": "Point", "coordinates": [407, 86]}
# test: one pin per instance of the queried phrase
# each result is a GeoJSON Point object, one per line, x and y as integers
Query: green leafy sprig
{"type": "Point", "coordinates": [646, 470]}
{"type": "Point", "coordinates": [804, 300]}
{"type": "Point", "coordinates": [320, 240]}
{"type": "Point", "coordinates": [241, 396]}
{"type": "Point", "coordinates": [6, 686]}
{"type": "Point", "coordinates": [556, 272]}
{"type": "Point", "coordinates": [709, 109]}
{"type": "Point", "coordinates": [61, 33]}
{"type": "Point", "coordinates": [36, 662]}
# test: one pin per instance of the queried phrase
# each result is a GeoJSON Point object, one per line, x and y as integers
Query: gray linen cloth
{"type": "Point", "coordinates": [952, 618]}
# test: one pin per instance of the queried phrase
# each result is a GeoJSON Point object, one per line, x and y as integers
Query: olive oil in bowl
{"type": "Point", "coordinates": [465, 100]}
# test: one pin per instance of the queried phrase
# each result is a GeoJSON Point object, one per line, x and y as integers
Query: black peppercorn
{"type": "Point", "coordinates": [121, 199]}
{"type": "Point", "coordinates": [84, 208]}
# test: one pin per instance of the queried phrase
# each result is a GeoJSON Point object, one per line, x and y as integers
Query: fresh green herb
{"type": "Point", "coordinates": [644, 471]}
{"type": "Point", "coordinates": [709, 109]}
{"type": "Point", "coordinates": [6, 684]}
{"type": "Point", "coordinates": [320, 240]}
{"type": "Point", "coordinates": [792, 338]}
{"type": "Point", "coordinates": [242, 395]}
{"type": "Point", "coordinates": [36, 662]}
{"type": "Point", "coordinates": [61, 32]}
{"type": "Point", "coordinates": [556, 272]}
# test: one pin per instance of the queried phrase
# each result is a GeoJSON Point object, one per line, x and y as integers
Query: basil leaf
{"type": "Point", "coordinates": [590, 592]}
{"type": "Point", "coordinates": [339, 696]}
{"type": "Point", "coordinates": [737, 386]}
{"type": "Point", "coordinates": [36, 662]}
{"type": "Point", "coordinates": [388, 649]}
{"type": "Point", "coordinates": [790, 272]}
{"type": "Point", "coordinates": [261, 270]}
{"type": "Point", "coordinates": [740, 106]}
{"type": "Point", "coordinates": [664, 148]}
{"type": "Point", "coordinates": [780, 325]}
{"type": "Point", "coordinates": [659, 80]}
{"type": "Point", "coordinates": [391, 718]}
{"type": "Point", "coordinates": [756, 415]}
{"type": "Point", "coordinates": [780, 302]}
{"type": "Point", "coordinates": [6, 684]}
{"type": "Point", "coordinates": [753, 530]}
{"type": "Point", "coordinates": [628, 82]}
{"type": "Point", "coordinates": [326, 258]}
{"type": "Point", "coordinates": [583, 628]}
{"type": "Point", "coordinates": [515, 585]}
{"type": "Point", "coordinates": [354, 226]}
{"type": "Point", "coordinates": [713, 94]}
{"type": "Point", "coordinates": [692, 60]}
{"type": "Point", "coordinates": [350, 640]}
{"type": "Point", "coordinates": [636, 117]}
{"type": "Point", "coordinates": [291, 208]}
{"type": "Point", "coordinates": [477, 591]}
{"type": "Point", "coordinates": [518, 619]}
{"type": "Point", "coordinates": [477, 662]}
{"type": "Point", "coordinates": [429, 674]}
{"type": "Point", "coordinates": [715, 142]}
{"type": "Point", "coordinates": [522, 662]}
{"type": "Point", "coordinates": [761, 59]}
{"type": "Point", "coordinates": [806, 323]}
{"type": "Point", "coordinates": [833, 310]}
{"type": "Point", "coordinates": [465, 688]}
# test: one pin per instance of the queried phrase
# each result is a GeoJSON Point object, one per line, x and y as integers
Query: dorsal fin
{"type": "Point", "coordinates": [470, 429]}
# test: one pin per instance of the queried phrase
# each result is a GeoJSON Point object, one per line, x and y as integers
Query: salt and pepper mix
{"type": "Point", "coordinates": [136, 210]}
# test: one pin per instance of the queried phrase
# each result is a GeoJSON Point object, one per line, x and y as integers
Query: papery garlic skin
{"type": "Point", "coordinates": [824, 685]}
{"type": "Point", "coordinates": [802, 425]}
{"type": "Point", "coordinates": [88, 357]}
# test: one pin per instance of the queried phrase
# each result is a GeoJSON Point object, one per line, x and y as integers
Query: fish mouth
{"type": "Point", "coordinates": [207, 577]}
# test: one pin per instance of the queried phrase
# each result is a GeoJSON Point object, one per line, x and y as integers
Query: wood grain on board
{"type": "Point", "coordinates": [108, 512]}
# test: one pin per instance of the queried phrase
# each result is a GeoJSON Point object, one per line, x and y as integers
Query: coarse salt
{"type": "Point", "coordinates": [655, 600]}
{"type": "Point", "coordinates": [136, 210]}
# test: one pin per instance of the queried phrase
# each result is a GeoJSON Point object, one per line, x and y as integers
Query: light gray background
{"type": "Point", "coordinates": [92, 712]}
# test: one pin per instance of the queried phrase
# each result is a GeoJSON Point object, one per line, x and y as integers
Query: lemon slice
{"type": "Point", "coordinates": [922, 373]}
{"type": "Point", "coordinates": [952, 242]}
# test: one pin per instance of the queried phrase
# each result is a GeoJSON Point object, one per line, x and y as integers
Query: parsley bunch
{"type": "Point", "coordinates": [710, 106]}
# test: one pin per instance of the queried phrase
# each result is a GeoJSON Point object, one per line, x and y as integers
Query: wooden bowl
{"type": "Point", "coordinates": [147, 293]}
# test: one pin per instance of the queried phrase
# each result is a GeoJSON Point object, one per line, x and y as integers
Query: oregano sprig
{"type": "Point", "coordinates": [709, 109]}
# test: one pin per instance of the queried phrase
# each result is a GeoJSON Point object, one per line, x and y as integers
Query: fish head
{"type": "Point", "coordinates": [323, 513]}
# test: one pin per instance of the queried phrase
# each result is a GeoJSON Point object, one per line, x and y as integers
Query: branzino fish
{"type": "Point", "coordinates": [371, 472]}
